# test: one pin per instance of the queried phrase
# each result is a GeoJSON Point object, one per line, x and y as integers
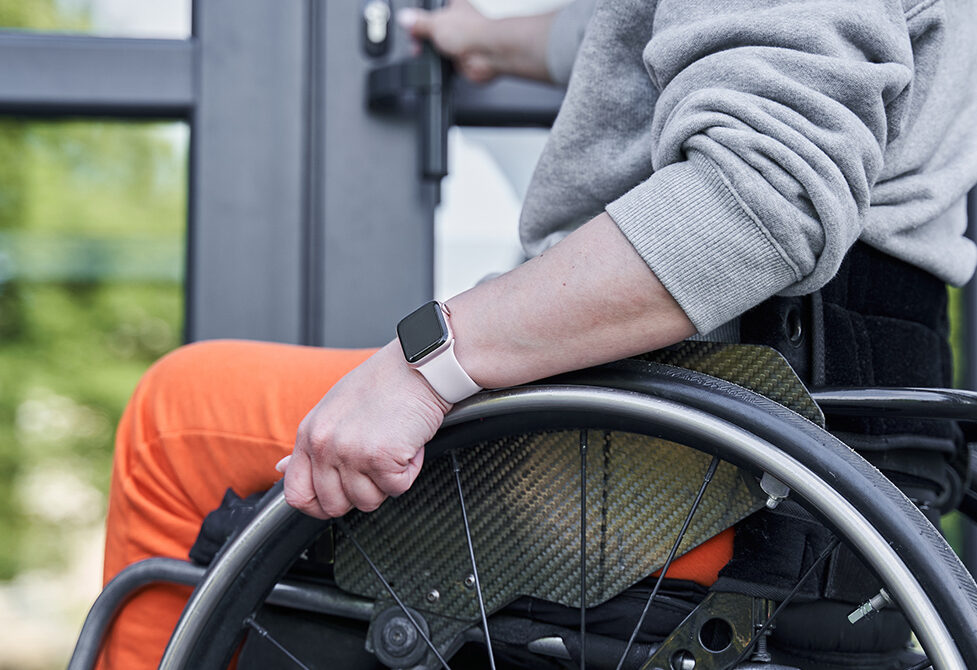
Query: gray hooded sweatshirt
{"type": "Point", "coordinates": [742, 146]}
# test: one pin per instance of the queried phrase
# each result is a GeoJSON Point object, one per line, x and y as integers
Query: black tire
{"type": "Point", "coordinates": [918, 568]}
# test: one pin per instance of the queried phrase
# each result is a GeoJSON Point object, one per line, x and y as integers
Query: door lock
{"type": "Point", "coordinates": [376, 27]}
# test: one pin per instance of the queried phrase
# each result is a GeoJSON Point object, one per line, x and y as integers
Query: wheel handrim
{"type": "Point", "coordinates": [700, 428]}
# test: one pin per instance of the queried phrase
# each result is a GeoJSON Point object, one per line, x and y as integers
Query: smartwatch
{"type": "Point", "coordinates": [429, 346]}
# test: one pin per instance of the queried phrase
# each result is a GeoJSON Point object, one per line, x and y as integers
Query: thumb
{"type": "Point", "coordinates": [415, 21]}
{"type": "Point", "coordinates": [282, 465]}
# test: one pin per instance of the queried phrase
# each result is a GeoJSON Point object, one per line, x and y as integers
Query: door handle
{"type": "Point", "coordinates": [420, 84]}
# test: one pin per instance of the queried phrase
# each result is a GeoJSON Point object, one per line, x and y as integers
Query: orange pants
{"type": "Point", "coordinates": [212, 416]}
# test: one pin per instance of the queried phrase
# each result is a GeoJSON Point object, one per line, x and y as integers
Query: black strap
{"type": "Point", "coordinates": [879, 322]}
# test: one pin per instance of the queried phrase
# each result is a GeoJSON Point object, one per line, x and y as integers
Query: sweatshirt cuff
{"type": "Point", "coordinates": [707, 249]}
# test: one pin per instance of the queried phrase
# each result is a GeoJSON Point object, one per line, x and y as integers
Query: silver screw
{"type": "Point", "coordinates": [871, 606]}
{"type": "Point", "coordinates": [775, 489]}
{"type": "Point", "coordinates": [433, 595]}
{"type": "Point", "coordinates": [760, 653]}
{"type": "Point", "coordinates": [470, 581]}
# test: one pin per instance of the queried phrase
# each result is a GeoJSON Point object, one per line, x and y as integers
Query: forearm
{"type": "Point", "coordinates": [589, 300]}
{"type": "Point", "coordinates": [518, 45]}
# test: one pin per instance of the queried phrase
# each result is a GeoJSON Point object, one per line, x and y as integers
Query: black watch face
{"type": "Point", "coordinates": [422, 331]}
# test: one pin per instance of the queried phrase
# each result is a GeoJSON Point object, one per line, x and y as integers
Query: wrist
{"type": "Point", "coordinates": [517, 45]}
{"type": "Point", "coordinates": [428, 345]}
{"type": "Point", "coordinates": [412, 380]}
{"type": "Point", "coordinates": [497, 44]}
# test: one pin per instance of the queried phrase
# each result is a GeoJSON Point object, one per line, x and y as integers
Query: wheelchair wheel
{"type": "Point", "coordinates": [865, 511]}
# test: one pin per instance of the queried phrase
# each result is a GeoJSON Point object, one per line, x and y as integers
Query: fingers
{"type": "Point", "coordinates": [330, 494]}
{"type": "Point", "coordinates": [415, 21]}
{"type": "Point", "coordinates": [414, 464]}
{"type": "Point", "coordinates": [362, 492]}
{"type": "Point", "coordinates": [396, 482]}
{"type": "Point", "coordinates": [325, 493]}
{"type": "Point", "coordinates": [299, 487]}
{"type": "Point", "coordinates": [315, 491]}
{"type": "Point", "coordinates": [477, 68]}
{"type": "Point", "coordinates": [356, 447]}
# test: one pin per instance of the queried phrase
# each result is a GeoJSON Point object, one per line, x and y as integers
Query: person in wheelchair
{"type": "Point", "coordinates": [790, 174]}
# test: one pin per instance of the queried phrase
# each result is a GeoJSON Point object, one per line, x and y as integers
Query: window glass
{"type": "Point", "coordinates": [109, 18]}
{"type": "Point", "coordinates": [476, 225]}
{"type": "Point", "coordinates": [92, 229]}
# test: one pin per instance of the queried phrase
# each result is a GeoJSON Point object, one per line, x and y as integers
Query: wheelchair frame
{"type": "Point", "coordinates": [679, 405]}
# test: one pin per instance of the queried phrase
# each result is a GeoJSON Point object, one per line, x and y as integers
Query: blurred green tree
{"type": "Point", "coordinates": [92, 222]}
{"type": "Point", "coordinates": [38, 15]}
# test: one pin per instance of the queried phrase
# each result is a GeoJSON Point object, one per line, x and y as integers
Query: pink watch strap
{"type": "Point", "coordinates": [446, 376]}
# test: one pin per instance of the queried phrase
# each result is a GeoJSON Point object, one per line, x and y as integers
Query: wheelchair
{"type": "Point", "coordinates": [570, 491]}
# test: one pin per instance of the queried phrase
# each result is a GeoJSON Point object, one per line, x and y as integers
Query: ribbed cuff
{"type": "Point", "coordinates": [702, 243]}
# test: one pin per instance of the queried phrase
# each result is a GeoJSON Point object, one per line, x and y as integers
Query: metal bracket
{"type": "Point", "coordinates": [713, 635]}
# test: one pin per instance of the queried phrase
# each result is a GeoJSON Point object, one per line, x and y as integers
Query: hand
{"type": "Point", "coordinates": [460, 33]}
{"type": "Point", "coordinates": [364, 440]}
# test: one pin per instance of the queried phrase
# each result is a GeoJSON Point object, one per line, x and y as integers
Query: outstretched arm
{"type": "Point", "coordinates": [588, 300]}
{"type": "Point", "coordinates": [480, 47]}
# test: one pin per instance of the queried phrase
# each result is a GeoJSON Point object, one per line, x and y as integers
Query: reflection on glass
{"type": "Point", "coordinates": [115, 18]}
{"type": "Point", "coordinates": [92, 228]}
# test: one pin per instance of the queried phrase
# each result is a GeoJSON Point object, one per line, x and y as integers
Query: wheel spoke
{"type": "Point", "coordinates": [343, 526]}
{"type": "Point", "coordinates": [671, 556]}
{"type": "Point", "coordinates": [790, 596]}
{"type": "Point", "coordinates": [263, 632]}
{"type": "Point", "coordinates": [471, 555]}
{"type": "Point", "coordinates": [583, 549]}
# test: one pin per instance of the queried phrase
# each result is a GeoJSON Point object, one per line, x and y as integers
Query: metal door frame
{"type": "Point", "coordinates": [306, 223]}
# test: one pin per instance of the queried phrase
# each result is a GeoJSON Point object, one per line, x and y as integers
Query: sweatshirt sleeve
{"type": "Point", "coordinates": [565, 35]}
{"type": "Point", "coordinates": [767, 136]}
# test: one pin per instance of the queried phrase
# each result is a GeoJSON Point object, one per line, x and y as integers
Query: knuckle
{"type": "Point", "coordinates": [335, 509]}
{"type": "Point", "coordinates": [299, 500]}
{"type": "Point", "coordinates": [395, 485]}
{"type": "Point", "coordinates": [375, 460]}
{"type": "Point", "coordinates": [400, 486]}
{"type": "Point", "coordinates": [319, 434]}
{"type": "Point", "coordinates": [368, 505]}
{"type": "Point", "coordinates": [302, 434]}
{"type": "Point", "coordinates": [346, 455]}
